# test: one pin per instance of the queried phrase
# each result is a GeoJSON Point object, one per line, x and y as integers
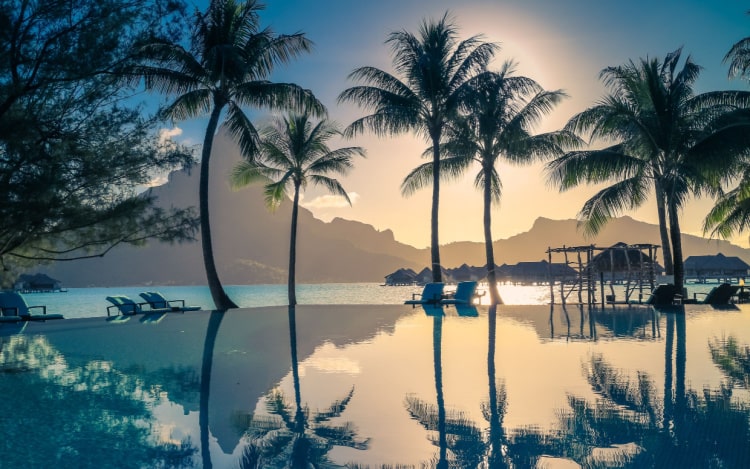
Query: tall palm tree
{"type": "Point", "coordinates": [294, 152]}
{"type": "Point", "coordinates": [664, 140]}
{"type": "Point", "coordinates": [227, 67]}
{"type": "Point", "coordinates": [498, 112]}
{"type": "Point", "coordinates": [296, 437]}
{"type": "Point", "coordinates": [433, 67]}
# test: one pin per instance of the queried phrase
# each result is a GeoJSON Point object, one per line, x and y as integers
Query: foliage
{"type": "Point", "coordinates": [294, 152]}
{"type": "Point", "coordinates": [434, 67]}
{"type": "Point", "coordinates": [226, 68]}
{"type": "Point", "coordinates": [289, 438]}
{"type": "Point", "coordinates": [75, 149]}
{"type": "Point", "coordinates": [663, 138]}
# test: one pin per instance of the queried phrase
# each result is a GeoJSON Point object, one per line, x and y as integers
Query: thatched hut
{"type": "Point", "coordinates": [401, 277]}
{"type": "Point", "coordinates": [718, 267]}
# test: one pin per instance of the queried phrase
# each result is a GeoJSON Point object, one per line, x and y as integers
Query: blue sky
{"type": "Point", "coordinates": [562, 44]}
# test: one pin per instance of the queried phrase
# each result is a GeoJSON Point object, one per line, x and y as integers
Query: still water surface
{"type": "Point", "coordinates": [381, 386]}
{"type": "Point", "coordinates": [91, 302]}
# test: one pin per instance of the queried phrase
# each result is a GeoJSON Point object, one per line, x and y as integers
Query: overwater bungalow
{"type": "Point", "coordinates": [37, 283]}
{"type": "Point", "coordinates": [719, 268]}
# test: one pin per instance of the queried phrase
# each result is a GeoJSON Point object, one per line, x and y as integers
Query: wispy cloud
{"type": "Point", "coordinates": [330, 201]}
{"type": "Point", "coordinates": [165, 135]}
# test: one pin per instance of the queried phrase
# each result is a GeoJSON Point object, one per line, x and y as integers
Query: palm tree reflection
{"type": "Point", "coordinates": [629, 426]}
{"type": "Point", "coordinates": [293, 436]}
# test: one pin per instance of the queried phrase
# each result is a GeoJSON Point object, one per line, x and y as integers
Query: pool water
{"type": "Point", "coordinates": [372, 386]}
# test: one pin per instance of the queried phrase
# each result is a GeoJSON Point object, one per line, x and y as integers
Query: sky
{"type": "Point", "coordinates": [562, 45]}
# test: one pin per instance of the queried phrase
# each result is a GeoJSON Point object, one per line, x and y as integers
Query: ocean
{"type": "Point", "coordinates": [91, 302]}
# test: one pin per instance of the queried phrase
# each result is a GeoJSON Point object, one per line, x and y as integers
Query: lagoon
{"type": "Point", "coordinates": [520, 386]}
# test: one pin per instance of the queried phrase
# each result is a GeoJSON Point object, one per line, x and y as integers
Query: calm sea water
{"type": "Point", "coordinates": [91, 302]}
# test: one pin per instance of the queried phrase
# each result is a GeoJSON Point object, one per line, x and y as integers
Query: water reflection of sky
{"type": "Point", "coordinates": [384, 355]}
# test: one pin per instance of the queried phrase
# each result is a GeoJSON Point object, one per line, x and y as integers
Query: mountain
{"type": "Point", "coordinates": [251, 245]}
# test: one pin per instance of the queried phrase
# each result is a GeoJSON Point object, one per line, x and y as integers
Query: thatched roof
{"type": "Point", "coordinates": [621, 257]}
{"type": "Point", "coordinates": [718, 262]}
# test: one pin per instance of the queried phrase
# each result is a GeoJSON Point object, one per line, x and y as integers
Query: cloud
{"type": "Point", "coordinates": [330, 201]}
{"type": "Point", "coordinates": [165, 135]}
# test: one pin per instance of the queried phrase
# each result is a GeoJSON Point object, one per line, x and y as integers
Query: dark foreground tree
{"type": "Point", "coordinates": [432, 67]}
{"type": "Point", "coordinates": [293, 153]}
{"type": "Point", "coordinates": [227, 67]}
{"type": "Point", "coordinates": [75, 150]}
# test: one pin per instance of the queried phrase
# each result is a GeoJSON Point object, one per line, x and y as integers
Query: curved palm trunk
{"type": "Point", "coordinates": [488, 247]}
{"type": "Point", "coordinates": [221, 300]}
{"type": "Point", "coordinates": [212, 330]}
{"type": "Point", "coordinates": [663, 233]}
{"type": "Point", "coordinates": [437, 274]}
{"type": "Point", "coordinates": [674, 232]}
{"type": "Point", "coordinates": [293, 248]}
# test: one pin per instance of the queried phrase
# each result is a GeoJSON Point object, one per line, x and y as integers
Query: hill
{"type": "Point", "coordinates": [251, 245]}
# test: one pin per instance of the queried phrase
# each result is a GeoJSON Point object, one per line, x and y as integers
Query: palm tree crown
{"type": "Point", "coordinates": [664, 139]}
{"type": "Point", "coordinates": [431, 68]}
{"type": "Point", "coordinates": [227, 66]}
{"type": "Point", "coordinates": [293, 153]}
{"type": "Point", "coordinates": [498, 111]}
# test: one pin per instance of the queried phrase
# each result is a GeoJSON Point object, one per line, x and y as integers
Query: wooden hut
{"type": "Point", "coordinates": [401, 277]}
{"type": "Point", "coordinates": [36, 283]}
{"type": "Point", "coordinates": [718, 267]}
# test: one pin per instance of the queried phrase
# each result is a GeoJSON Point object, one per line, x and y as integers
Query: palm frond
{"type": "Point", "coordinates": [611, 202]}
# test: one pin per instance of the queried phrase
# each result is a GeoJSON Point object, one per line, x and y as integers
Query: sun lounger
{"type": "Point", "coordinates": [126, 306]}
{"type": "Point", "coordinates": [720, 295]}
{"type": "Point", "coordinates": [664, 295]}
{"type": "Point", "coordinates": [14, 306]}
{"type": "Point", "coordinates": [157, 301]}
{"type": "Point", "coordinates": [465, 294]}
{"type": "Point", "coordinates": [432, 293]}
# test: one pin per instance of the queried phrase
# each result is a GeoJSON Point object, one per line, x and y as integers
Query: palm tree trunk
{"type": "Point", "coordinates": [663, 233]}
{"type": "Point", "coordinates": [437, 275]}
{"type": "Point", "coordinates": [674, 232]}
{"type": "Point", "coordinates": [489, 249]}
{"type": "Point", "coordinates": [299, 420]}
{"type": "Point", "coordinates": [212, 330]}
{"type": "Point", "coordinates": [221, 300]}
{"type": "Point", "coordinates": [437, 358]}
{"type": "Point", "coordinates": [293, 248]}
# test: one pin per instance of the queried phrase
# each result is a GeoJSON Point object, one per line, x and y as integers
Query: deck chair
{"type": "Point", "coordinates": [125, 306]}
{"type": "Point", "coordinates": [465, 294]}
{"type": "Point", "coordinates": [157, 301]}
{"type": "Point", "coordinates": [432, 293]}
{"type": "Point", "coordinates": [663, 295]}
{"type": "Point", "coordinates": [720, 295]}
{"type": "Point", "coordinates": [13, 305]}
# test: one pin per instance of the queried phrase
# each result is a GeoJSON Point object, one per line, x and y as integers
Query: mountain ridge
{"type": "Point", "coordinates": [251, 245]}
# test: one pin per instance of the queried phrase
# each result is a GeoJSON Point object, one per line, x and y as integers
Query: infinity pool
{"type": "Point", "coordinates": [371, 386]}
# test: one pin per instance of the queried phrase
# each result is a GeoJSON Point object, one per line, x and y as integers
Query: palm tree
{"type": "Point", "coordinates": [227, 67]}
{"type": "Point", "coordinates": [499, 110]}
{"type": "Point", "coordinates": [665, 141]}
{"type": "Point", "coordinates": [434, 67]}
{"type": "Point", "coordinates": [296, 437]}
{"type": "Point", "coordinates": [294, 152]}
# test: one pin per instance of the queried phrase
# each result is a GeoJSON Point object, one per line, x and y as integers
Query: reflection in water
{"type": "Point", "coordinates": [623, 427]}
{"type": "Point", "coordinates": [295, 436]}
{"type": "Point", "coordinates": [588, 394]}
{"type": "Point", "coordinates": [44, 393]}
{"type": "Point", "coordinates": [459, 441]}
{"type": "Point", "coordinates": [732, 358]}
